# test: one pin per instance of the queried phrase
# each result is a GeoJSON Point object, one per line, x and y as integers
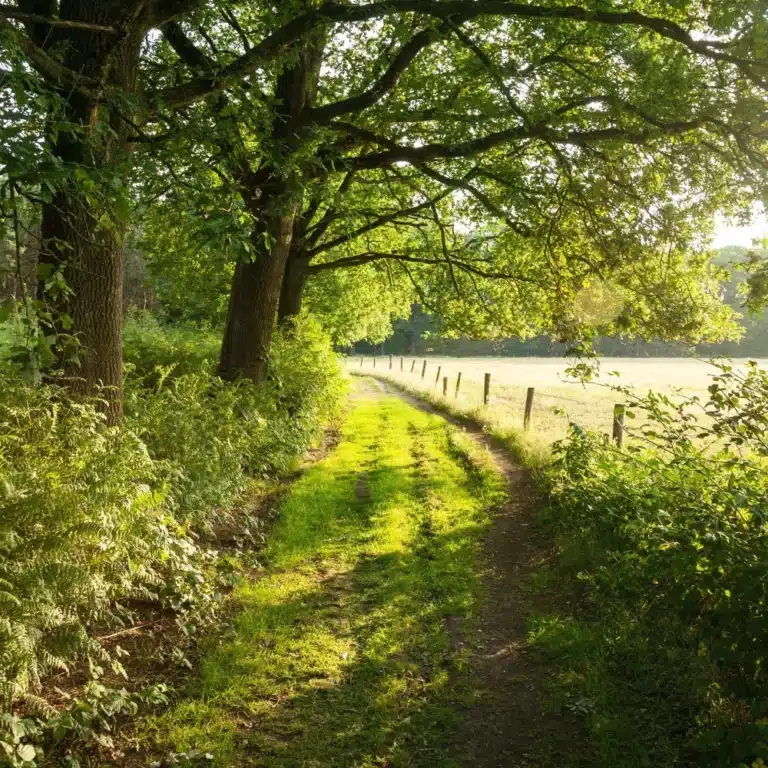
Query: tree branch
{"type": "Point", "coordinates": [429, 152]}
{"type": "Point", "coordinates": [48, 67]}
{"type": "Point", "coordinates": [477, 194]}
{"type": "Point", "coordinates": [10, 12]}
{"type": "Point", "coordinates": [405, 56]}
{"type": "Point", "coordinates": [165, 10]}
{"type": "Point", "coordinates": [333, 13]}
{"type": "Point", "coordinates": [185, 49]}
{"type": "Point", "coordinates": [371, 256]}
{"type": "Point", "coordinates": [319, 229]}
{"type": "Point", "coordinates": [231, 19]}
{"type": "Point", "coordinates": [376, 223]}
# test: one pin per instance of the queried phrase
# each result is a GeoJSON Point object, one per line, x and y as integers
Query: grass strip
{"type": "Point", "coordinates": [342, 654]}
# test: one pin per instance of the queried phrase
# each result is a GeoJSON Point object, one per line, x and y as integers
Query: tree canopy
{"type": "Point", "coordinates": [516, 167]}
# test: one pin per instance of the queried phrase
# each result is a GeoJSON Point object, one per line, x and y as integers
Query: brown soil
{"type": "Point", "coordinates": [510, 723]}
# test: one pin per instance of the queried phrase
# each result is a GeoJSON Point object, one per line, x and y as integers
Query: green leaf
{"type": "Point", "coordinates": [27, 752]}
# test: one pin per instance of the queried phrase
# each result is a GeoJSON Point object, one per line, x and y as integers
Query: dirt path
{"type": "Point", "coordinates": [367, 640]}
{"type": "Point", "coordinates": [509, 725]}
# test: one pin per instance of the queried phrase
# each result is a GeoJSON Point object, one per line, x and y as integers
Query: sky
{"type": "Point", "coordinates": [726, 234]}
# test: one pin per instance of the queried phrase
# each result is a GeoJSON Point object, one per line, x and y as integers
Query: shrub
{"type": "Point", "coordinates": [209, 437]}
{"type": "Point", "coordinates": [92, 516]}
{"type": "Point", "coordinates": [670, 536]}
{"type": "Point", "coordinates": [83, 526]}
{"type": "Point", "coordinates": [151, 349]}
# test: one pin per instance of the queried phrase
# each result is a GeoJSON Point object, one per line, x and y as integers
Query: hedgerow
{"type": "Point", "coordinates": [669, 537]}
{"type": "Point", "coordinates": [95, 519]}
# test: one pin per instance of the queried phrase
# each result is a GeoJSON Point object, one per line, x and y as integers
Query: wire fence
{"type": "Point", "coordinates": [543, 409]}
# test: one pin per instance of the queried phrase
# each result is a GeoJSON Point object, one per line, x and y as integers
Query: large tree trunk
{"type": "Point", "coordinates": [91, 263]}
{"type": "Point", "coordinates": [294, 282]}
{"type": "Point", "coordinates": [256, 286]}
{"type": "Point", "coordinates": [81, 237]}
{"type": "Point", "coordinates": [252, 303]}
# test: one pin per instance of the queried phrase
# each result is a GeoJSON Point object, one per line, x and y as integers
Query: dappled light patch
{"type": "Point", "coordinates": [346, 651]}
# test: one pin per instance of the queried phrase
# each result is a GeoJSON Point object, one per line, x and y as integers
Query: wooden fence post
{"type": "Point", "coordinates": [361, 362]}
{"type": "Point", "coordinates": [618, 424]}
{"type": "Point", "coordinates": [445, 386]}
{"type": "Point", "coordinates": [390, 362]}
{"type": "Point", "coordinates": [401, 365]}
{"type": "Point", "coordinates": [413, 365]}
{"type": "Point", "coordinates": [423, 369]}
{"type": "Point", "coordinates": [487, 388]}
{"type": "Point", "coordinates": [374, 361]}
{"type": "Point", "coordinates": [458, 384]}
{"type": "Point", "coordinates": [528, 409]}
{"type": "Point", "coordinates": [437, 378]}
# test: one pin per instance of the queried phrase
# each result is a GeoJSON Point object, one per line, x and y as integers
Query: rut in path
{"type": "Point", "coordinates": [510, 725]}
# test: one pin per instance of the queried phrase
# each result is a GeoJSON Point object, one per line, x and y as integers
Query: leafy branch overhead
{"type": "Point", "coordinates": [579, 145]}
{"type": "Point", "coordinates": [507, 164]}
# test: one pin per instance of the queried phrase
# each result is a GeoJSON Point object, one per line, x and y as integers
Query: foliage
{"type": "Point", "coordinates": [208, 437]}
{"type": "Point", "coordinates": [83, 526]}
{"type": "Point", "coordinates": [87, 720]}
{"type": "Point", "coordinates": [153, 350]}
{"type": "Point", "coordinates": [96, 517]}
{"type": "Point", "coordinates": [669, 538]}
{"type": "Point", "coordinates": [191, 261]}
{"type": "Point", "coordinates": [580, 171]}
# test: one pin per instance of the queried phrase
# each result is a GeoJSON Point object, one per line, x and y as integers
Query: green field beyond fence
{"type": "Point", "coordinates": [556, 400]}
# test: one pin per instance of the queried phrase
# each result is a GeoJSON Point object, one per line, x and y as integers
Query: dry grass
{"type": "Point", "coordinates": [557, 401]}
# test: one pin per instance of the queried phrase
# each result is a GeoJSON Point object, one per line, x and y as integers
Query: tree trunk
{"type": "Point", "coordinates": [81, 237]}
{"type": "Point", "coordinates": [253, 302]}
{"type": "Point", "coordinates": [292, 292]}
{"type": "Point", "coordinates": [256, 286]}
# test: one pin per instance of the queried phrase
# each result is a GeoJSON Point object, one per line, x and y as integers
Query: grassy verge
{"type": "Point", "coordinates": [527, 448]}
{"type": "Point", "coordinates": [342, 654]}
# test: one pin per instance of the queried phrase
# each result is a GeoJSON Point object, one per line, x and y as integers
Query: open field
{"type": "Point", "coordinates": [557, 400]}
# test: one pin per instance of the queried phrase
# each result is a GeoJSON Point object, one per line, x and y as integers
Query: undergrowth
{"type": "Point", "coordinates": [668, 541]}
{"type": "Point", "coordinates": [99, 522]}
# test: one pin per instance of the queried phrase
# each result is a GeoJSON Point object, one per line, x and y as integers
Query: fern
{"type": "Point", "coordinates": [94, 517]}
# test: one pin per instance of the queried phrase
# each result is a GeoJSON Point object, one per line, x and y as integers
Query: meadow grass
{"type": "Point", "coordinates": [558, 400]}
{"type": "Point", "coordinates": [340, 656]}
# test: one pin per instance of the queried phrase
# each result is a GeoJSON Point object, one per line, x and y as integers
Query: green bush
{"type": "Point", "coordinates": [93, 517]}
{"type": "Point", "coordinates": [151, 349]}
{"type": "Point", "coordinates": [83, 526]}
{"type": "Point", "coordinates": [209, 437]}
{"type": "Point", "coordinates": [670, 535]}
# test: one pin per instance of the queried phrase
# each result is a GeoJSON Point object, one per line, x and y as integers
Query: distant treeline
{"type": "Point", "coordinates": [419, 334]}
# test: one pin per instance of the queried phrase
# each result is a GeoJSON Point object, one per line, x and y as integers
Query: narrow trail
{"type": "Point", "coordinates": [510, 723]}
{"type": "Point", "coordinates": [389, 626]}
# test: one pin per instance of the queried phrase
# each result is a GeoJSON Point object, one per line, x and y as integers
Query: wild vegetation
{"type": "Point", "coordinates": [669, 539]}
{"type": "Point", "coordinates": [201, 202]}
{"type": "Point", "coordinates": [100, 522]}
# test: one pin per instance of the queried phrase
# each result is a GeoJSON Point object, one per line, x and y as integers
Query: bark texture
{"type": "Point", "coordinates": [254, 297]}
{"type": "Point", "coordinates": [294, 282]}
{"type": "Point", "coordinates": [81, 236]}
{"type": "Point", "coordinates": [257, 285]}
